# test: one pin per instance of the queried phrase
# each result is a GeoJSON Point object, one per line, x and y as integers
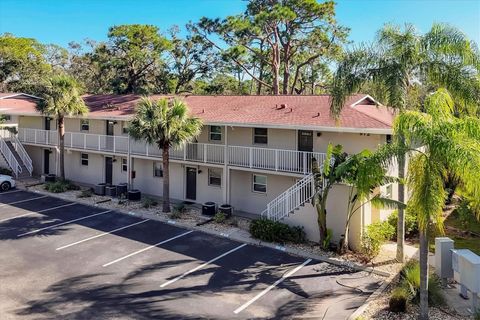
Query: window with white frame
{"type": "Point", "coordinates": [157, 169]}
{"type": "Point", "coordinates": [259, 183]}
{"type": "Point", "coordinates": [215, 177]}
{"type": "Point", "coordinates": [6, 117]}
{"type": "Point", "coordinates": [260, 135]}
{"type": "Point", "coordinates": [124, 165]}
{"type": "Point", "coordinates": [215, 133]}
{"type": "Point", "coordinates": [84, 159]}
{"type": "Point", "coordinates": [84, 125]}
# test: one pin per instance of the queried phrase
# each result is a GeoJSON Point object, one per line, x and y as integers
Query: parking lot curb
{"type": "Point", "coordinates": [244, 239]}
{"type": "Point", "coordinates": [360, 310]}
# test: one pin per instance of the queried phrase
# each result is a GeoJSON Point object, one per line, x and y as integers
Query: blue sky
{"type": "Point", "coordinates": [61, 21]}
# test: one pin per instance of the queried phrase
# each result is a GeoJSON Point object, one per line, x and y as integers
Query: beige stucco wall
{"type": "Point", "coordinates": [36, 154]}
{"type": "Point", "coordinates": [242, 196]}
{"type": "Point", "coordinates": [351, 142]}
{"type": "Point", "coordinates": [33, 122]}
{"type": "Point", "coordinates": [147, 183]}
{"type": "Point", "coordinates": [306, 216]}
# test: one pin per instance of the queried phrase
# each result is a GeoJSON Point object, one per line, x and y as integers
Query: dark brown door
{"type": "Point", "coordinates": [47, 123]}
{"type": "Point", "coordinates": [191, 192]}
{"type": "Point", "coordinates": [46, 161]}
{"type": "Point", "coordinates": [110, 125]}
{"type": "Point", "coordinates": [305, 140]}
{"type": "Point", "coordinates": [108, 170]}
{"type": "Point", "coordinates": [305, 143]}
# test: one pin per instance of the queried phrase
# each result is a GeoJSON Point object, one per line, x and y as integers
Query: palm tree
{"type": "Point", "coordinates": [61, 98]}
{"type": "Point", "coordinates": [406, 66]}
{"type": "Point", "coordinates": [364, 173]}
{"type": "Point", "coordinates": [326, 177]}
{"type": "Point", "coordinates": [448, 144]}
{"type": "Point", "coordinates": [167, 124]}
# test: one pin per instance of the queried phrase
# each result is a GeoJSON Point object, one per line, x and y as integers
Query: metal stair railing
{"type": "Point", "coordinates": [27, 161]}
{"type": "Point", "coordinates": [10, 157]}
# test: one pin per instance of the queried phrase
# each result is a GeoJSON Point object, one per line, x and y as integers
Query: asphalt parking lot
{"type": "Point", "coordinates": [64, 260]}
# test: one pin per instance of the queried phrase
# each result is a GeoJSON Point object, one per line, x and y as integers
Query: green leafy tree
{"type": "Point", "coordinates": [165, 123]}
{"type": "Point", "coordinates": [448, 144]}
{"type": "Point", "coordinates": [284, 36]}
{"type": "Point", "coordinates": [398, 63]}
{"type": "Point", "coordinates": [22, 63]}
{"type": "Point", "coordinates": [133, 55]}
{"type": "Point", "coordinates": [61, 98]}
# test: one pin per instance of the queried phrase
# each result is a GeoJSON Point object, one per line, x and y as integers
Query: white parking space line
{"type": "Point", "coordinates": [7, 192]}
{"type": "Point", "coordinates": [21, 201]}
{"type": "Point", "coordinates": [147, 248]}
{"type": "Point", "coordinates": [261, 294]}
{"type": "Point", "coordinates": [63, 223]}
{"type": "Point", "coordinates": [202, 266]}
{"type": "Point", "coordinates": [33, 212]}
{"type": "Point", "coordinates": [101, 235]}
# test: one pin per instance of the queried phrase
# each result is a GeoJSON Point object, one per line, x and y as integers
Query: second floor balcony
{"type": "Point", "coordinates": [281, 160]}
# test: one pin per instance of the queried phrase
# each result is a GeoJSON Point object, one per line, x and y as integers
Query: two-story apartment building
{"type": "Point", "coordinates": [254, 152]}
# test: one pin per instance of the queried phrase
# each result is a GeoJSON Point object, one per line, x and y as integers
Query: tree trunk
{"type": "Point", "coordinates": [345, 238]}
{"type": "Point", "coordinates": [322, 220]}
{"type": "Point", "coordinates": [401, 211]}
{"type": "Point", "coordinates": [61, 139]}
{"type": "Point", "coordinates": [423, 275]}
{"type": "Point", "coordinates": [166, 179]}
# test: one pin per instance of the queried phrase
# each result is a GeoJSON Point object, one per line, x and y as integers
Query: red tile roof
{"type": "Point", "coordinates": [360, 111]}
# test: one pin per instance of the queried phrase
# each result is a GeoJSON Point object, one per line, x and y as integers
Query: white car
{"type": "Point", "coordinates": [6, 182]}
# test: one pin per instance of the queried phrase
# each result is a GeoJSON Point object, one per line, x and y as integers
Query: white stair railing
{"type": "Point", "coordinates": [27, 161]}
{"type": "Point", "coordinates": [292, 198]}
{"type": "Point", "coordinates": [10, 158]}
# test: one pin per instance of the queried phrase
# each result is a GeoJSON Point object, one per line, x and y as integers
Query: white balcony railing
{"type": "Point", "coordinates": [238, 156]}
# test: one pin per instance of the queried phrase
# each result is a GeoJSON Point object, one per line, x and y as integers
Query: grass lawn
{"type": "Point", "coordinates": [457, 229]}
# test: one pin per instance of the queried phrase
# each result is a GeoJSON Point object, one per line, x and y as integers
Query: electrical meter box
{"type": "Point", "coordinates": [466, 265]}
{"type": "Point", "coordinates": [443, 257]}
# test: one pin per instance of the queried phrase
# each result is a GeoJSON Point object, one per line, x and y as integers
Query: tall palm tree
{"type": "Point", "coordinates": [167, 124]}
{"type": "Point", "coordinates": [405, 66]}
{"type": "Point", "coordinates": [448, 144]}
{"type": "Point", "coordinates": [60, 98]}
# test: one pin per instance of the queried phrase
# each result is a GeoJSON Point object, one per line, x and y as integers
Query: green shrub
{"type": "Point", "coordinates": [410, 280]}
{"type": "Point", "coordinates": [476, 315]}
{"type": "Point", "coordinates": [6, 171]}
{"type": "Point", "coordinates": [328, 239]}
{"type": "Point", "coordinates": [149, 202]}
{"type": "Point", "coordinates": [178, 211]}
{"type": "Point", "coordinates": [398, 300]}
{"type": "Point", "coordinates": [85, 193]}
{"type": "Point", "coordinates": [60, 186]}
{"type": "Point", "coordinates": [411, 226]}
{"type": "Point", "coordinates": [219, 217]}
{"type": "Point", "coordinates": [274, 231]}
{"type": "Point", "coordinates": [373, 237]}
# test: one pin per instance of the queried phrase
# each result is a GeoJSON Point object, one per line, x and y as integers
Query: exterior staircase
{"type": "Point", "coordinates": [15, 155]}
{"type": "Point", "coordinates": [293, 198]}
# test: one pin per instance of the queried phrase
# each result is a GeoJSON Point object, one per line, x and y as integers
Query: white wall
{"type": "Point", "coordinates": [306, 216]}
{"type": "Point", "coordinates": [242, 197]}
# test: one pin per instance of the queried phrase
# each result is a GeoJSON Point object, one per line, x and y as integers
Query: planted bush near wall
{"type": "Point", "coordinates": [274, 231]}
{"type": "Point", "coordinates": [411, 227]}
{"type": "Point", "coordinates": [373, 237]}
{"type": "Point", "coordinates": [60, 186]}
